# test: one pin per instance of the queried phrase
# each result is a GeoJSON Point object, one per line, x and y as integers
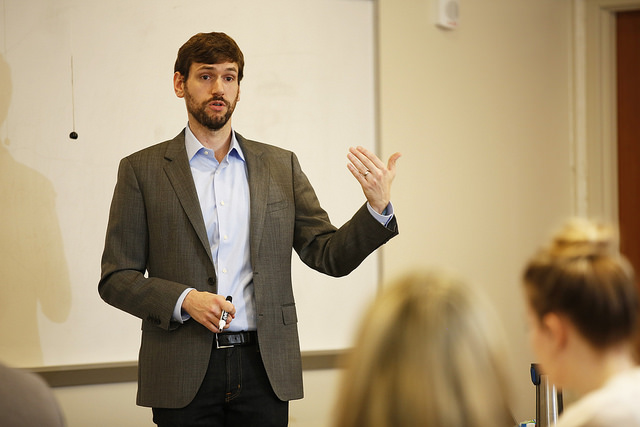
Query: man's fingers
{"type": "Point", "coordinates": [366, 158]}
{"type": "Point", "coordinates": [391, 164]}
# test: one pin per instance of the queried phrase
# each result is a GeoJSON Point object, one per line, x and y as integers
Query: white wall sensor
{"type": "Point", "coordinates": [448, 13]}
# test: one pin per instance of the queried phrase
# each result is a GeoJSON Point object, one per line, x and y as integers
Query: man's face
{"type": "Point", "coordinates": [211, 93]}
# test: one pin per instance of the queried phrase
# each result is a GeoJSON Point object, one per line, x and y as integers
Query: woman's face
{"type": "Point", "coordinates": [543, 344]}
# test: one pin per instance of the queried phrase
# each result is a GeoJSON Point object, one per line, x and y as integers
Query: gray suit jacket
{"type": "Point", "coordinates": [156, 225]}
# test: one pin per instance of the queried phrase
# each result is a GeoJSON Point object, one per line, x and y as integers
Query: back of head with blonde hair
{"type": "Point", "coordinates": [428, 353]}
{"type": "Point", "coordinates": [581, 274]}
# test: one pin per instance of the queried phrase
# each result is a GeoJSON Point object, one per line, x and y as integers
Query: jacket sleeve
{"type": "Point", "coordinates": [322, 246]}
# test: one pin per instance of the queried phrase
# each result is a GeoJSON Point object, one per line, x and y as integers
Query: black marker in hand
{"type": "Point", "coordinates": [224, 315]}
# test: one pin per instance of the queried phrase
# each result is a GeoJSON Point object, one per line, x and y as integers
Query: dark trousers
{"type": "Point", "coordinates": [235, 393]}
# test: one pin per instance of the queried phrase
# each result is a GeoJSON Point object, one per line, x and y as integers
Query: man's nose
{"type": "Point", "coordinates": [217, 86]}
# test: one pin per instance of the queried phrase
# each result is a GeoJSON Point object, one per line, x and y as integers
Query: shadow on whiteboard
{"type": "Point", "coordinates": [33, 270]}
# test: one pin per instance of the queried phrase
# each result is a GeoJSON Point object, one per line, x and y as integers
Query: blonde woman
{"type": "Point", "coordinates": [582, 301]}
{"type": "Point", "coordinates": [427, 354]}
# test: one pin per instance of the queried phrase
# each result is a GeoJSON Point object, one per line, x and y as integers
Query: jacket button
{"type": "Point", "coordinates": [211, 281]}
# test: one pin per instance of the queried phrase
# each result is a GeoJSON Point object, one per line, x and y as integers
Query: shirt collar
{"type": "Point", "coordinates": [193, 145]}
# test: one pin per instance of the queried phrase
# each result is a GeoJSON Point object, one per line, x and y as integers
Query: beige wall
{"type": "Point", "coordinates": [482, 116]}
{"type": "Point", "coordinates": [112, 405]}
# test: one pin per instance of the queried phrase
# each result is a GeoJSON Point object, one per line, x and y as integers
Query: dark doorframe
{"type": "Point", "coordinates": [628, 131]}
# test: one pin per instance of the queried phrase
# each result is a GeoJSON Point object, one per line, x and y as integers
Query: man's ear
{"type": "Point", "coordinates": [178, 84]}
{"type": "Point", "coordinates": [557, 329]}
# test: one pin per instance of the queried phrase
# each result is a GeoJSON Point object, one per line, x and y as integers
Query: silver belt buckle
{"type": "Point", "coordinates": [221, 346]}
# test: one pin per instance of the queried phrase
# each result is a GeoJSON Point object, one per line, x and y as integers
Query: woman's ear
{"type": "Point", "coordinates": [557, 329]}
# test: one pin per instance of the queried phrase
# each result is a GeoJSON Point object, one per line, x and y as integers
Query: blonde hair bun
{"type": "Point", "coordinates": [584, 238]}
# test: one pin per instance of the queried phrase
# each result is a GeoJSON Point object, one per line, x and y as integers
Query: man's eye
{"type": "Point", "coordinates": [229, 78]}
{"type": "Point", "coordinates": [205, 77]}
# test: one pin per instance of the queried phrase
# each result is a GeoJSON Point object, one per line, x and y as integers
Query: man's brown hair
{"type": "Point", "coordinates": [209, 48]}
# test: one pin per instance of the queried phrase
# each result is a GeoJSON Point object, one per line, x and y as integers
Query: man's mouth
{"type": "Point", "coordinates": [217, 105]}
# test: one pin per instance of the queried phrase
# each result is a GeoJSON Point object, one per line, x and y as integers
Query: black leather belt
{"type": "Point", "coordinates": [234, 339]}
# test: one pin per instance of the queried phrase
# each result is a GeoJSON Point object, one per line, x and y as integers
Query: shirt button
{"type": "Point", "coordinates": [226, 237]}
{"type": "Point", "coordinates": [224, 270]}
{"type": "Point", "coordinates": [222, 202]}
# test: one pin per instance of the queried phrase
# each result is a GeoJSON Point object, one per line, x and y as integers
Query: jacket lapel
{"type": "Point", "coordinates": [258, 171]}
{"type": "Point", "coordinates": [179, 173]}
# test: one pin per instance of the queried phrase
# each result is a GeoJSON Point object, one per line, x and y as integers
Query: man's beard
{"type": "Point", "coordinates": [199, 112]}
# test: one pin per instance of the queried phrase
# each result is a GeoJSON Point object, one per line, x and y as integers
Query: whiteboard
{"type": "Point", "coordinates": [104, 69]}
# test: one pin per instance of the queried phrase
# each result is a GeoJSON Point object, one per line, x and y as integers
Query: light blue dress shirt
{"type": "Point", "coordinates": [223, 192]}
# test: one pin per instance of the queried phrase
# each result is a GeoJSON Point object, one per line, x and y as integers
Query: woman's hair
{"type": "Point", "coordinates": [209, 48]}
{"type": "Point", "coordinates": [582, 275]}
{"type": "Point", "coordinates": [428, 353]}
